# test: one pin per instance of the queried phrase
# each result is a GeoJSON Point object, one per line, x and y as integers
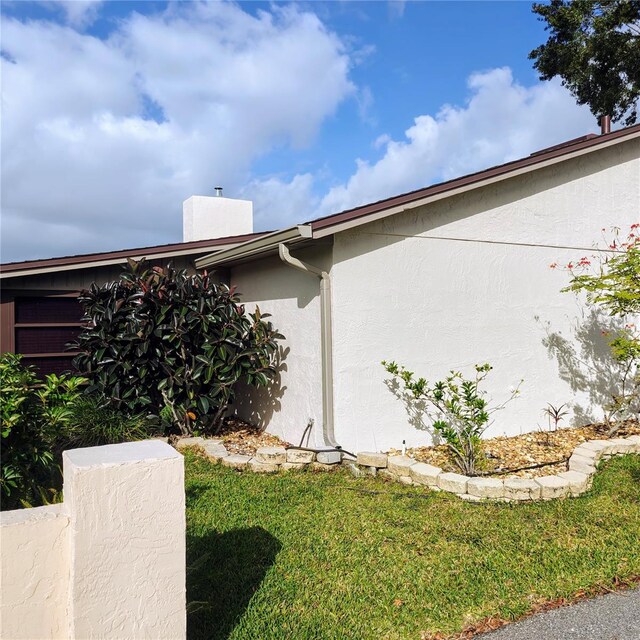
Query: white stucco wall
{"type": "Point", "coordinates": [484, 293]}
{"type": "Point", "coordinates": [292, 298]}
{"type": "Point", "coordinates": [35, 573]}
{"type": "Point", "coordinates": [107, 563]}
{"type": "Point", "coordinates": [127, 533]}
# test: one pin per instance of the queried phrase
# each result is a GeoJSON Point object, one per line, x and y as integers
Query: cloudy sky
{"type": "Point", "coordinates": [114, 112]}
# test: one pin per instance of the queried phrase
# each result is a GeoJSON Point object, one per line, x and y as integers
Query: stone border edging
{"type": "Point", "coordinates": [576, 480]}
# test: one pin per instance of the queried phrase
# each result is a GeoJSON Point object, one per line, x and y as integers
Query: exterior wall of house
{"type": "Point", "coordinates": [467, 280]}
{"type": "Point", "coordinates": [293, 299]}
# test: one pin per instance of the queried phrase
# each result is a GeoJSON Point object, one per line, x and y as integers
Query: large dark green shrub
{"type": "Point", "coordinates": [166, 341]}
{"type": "Point", "coordinates": [32, 412]}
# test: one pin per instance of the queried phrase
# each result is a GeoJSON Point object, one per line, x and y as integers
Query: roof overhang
{"type": "Point", "coordinates": [258, 248]}
{"type": "Point", "coordinates": [92, 261]}
{"type": "Point", "coordinates": [330, 225]}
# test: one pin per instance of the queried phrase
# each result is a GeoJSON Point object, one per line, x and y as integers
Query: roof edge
{"type": "Point", "coordinates": [557, 153]}
{"type": "Point", "coordinates": [92, 260]}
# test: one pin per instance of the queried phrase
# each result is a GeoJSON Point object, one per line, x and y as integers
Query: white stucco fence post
{"type": "Point", "coordinates": [127, 535]}
{"type": "Point", "coordinates": [109, 562]}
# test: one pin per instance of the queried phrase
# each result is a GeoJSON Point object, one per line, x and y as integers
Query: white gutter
{"type": "Point", "coordinates": [326, 340]}
{"type": "Point", "coordinates": [263, 244]}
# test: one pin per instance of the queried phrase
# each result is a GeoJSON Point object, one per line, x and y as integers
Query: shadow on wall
{"type": "Point", "coordinates": [224, 570]}
{"type": "Point", "coordinates": [416, 409]}
{"type": "Point", "coordinates": [256, 405]}
{"type": "Point", "coordinates": [585, 362]}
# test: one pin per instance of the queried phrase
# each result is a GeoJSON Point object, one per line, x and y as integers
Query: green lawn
{"type": "Point", "coordinates": [314, 555]}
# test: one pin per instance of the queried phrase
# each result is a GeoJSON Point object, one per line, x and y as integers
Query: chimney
{"type": "Point", "coordinates": [209, 217]}
{"type": "Point", "coordinates": [605, 124]}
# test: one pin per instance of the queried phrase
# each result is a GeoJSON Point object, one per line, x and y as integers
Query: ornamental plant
{"type": "Point", "coordinates": [33, 413]}
{"type": "Point", "coordinates": [171, 343]}
{"type": "Point", "coordinates": [610, 278]}
{"type": "Point", "coordinates": [457, 409]}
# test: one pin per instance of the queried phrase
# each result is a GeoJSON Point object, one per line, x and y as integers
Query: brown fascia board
{"type": "Point", "coordinates": [115, 257]}
{"type": "Point", "coordinates": [572, 146]}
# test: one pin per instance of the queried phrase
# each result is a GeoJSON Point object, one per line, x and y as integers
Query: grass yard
{"type": "Point", "coordinates": [315, 555]}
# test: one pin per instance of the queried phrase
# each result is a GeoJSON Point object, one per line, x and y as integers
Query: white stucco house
{"type": "Point", "coordinates": [438, 279]}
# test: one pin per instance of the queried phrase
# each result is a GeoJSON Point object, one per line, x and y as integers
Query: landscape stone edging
{"type": "Point", "coordinates": [582, 466]}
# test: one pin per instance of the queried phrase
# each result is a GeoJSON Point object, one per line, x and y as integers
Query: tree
{"type": "Point", "coordinates": [172, 344]}
{"type": "Point", "coordinates": [595, 48]}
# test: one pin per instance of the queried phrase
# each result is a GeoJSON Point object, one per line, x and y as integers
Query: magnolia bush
{"type": "Point", "coordinates": [456, 407]}
{"type": "Point", "coordinates": [610, 278]}
{"type": "Point", "coordinates": [173, 344]}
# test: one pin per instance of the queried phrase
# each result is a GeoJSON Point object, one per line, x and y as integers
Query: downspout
{"type": "Point", "coordinates": [326, 339]}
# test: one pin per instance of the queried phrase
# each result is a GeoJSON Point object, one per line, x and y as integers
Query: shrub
{"type": "Point", "coordinates": [94, 421]}
{"type": "Point", "coordinates": [32, 413]}
{"type": "Point", "coordinates": [457, 409]}
{"type": "Point", "coordinates": [162, 340]}
{"type": "Point", "coordinates": [611, 280]}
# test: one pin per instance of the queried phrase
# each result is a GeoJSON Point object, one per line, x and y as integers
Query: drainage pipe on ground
{"type": "Point", "coordinates": [326, 339]}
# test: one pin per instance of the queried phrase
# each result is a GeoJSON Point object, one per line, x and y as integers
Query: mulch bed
{"type": "Point", "coordinates": [505, 453]}
{"type": "Point", "coordinates": [502, 453]}
{"type": "Point", "coordinates": [242, 438]}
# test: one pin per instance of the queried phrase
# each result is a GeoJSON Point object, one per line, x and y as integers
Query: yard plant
{"type": "Point", "coordinates": [41, 418]}
{"type": "Point", "coordinates": [610, 279]}
{"type": "Point", "coordinates": [174, 344]}
{"type": "Point", "coordinates": [33, 414]}
{"type": "Point", "coordinates": [457, 408]}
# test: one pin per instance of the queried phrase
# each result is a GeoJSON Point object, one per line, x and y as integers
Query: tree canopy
{"type": "Point", "coordinates": [595, 48]}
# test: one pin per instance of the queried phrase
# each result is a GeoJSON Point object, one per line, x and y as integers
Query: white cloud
{"type": "Point", "coordinates": [76, 13]}
{"type": "Point", "coordinates": [80, 13]}
{"type": "Point", "coordinates": [103, 139]}
{"type": "Point", "coordinates": [501, 121]}
{"type": "Point", "coordinates": [396, 8]}
{"type": "Point", "coordinates": [279, 202]}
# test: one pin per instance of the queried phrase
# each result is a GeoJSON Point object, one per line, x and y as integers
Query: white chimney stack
{"type": "Point", "coordinates": [209, 217]}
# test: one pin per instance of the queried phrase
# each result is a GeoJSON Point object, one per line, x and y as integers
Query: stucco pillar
{"type": "Point", "coordinates": [127, 541]}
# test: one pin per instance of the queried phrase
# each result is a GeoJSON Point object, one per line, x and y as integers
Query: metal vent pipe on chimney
{"type": "Point", "coordinates": [218, 191]}
{"type": "Point", "coordinates": [605, 124]}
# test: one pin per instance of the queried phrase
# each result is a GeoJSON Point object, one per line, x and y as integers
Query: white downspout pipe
{"type": "Point", "coordinates": [326, 339]}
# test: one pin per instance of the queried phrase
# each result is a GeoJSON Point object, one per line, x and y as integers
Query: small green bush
{"type": "Point", "coordinates": [457, 408]}
{"type": "Point", "coordinates": [94, 421]}
{"type": "Point", "coordinates": [165, 341]}
{"type": "Point", "coordinates": [32, 414]}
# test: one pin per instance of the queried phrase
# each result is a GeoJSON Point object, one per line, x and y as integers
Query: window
{"type": "Point", "coordinates": [39, 325]}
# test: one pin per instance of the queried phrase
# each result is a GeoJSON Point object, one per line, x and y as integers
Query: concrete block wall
{"type": "Point", "coordinates": [109, 562]}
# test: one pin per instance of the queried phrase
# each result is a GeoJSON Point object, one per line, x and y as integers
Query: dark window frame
{"type": "Point", "coordinates": [8, 324]}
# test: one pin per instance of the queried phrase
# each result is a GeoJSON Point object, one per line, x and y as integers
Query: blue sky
{"type": "Point", "coordinates": [114, 112]}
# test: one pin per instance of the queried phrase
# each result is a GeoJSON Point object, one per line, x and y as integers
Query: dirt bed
{"type": "Point", "coordinates": [240, 437]}
{"type": "Point", "coordinates": [505, 453]}
{"type": "Point", "coordinates": [502, 453]}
